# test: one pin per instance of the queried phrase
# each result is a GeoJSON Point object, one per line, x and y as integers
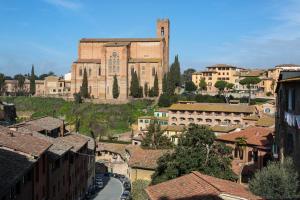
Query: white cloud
{"type": "Point", "coordinates": [67, 4]}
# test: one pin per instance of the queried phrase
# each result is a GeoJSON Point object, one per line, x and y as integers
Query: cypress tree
{"type": "Point", "coordinates": [146, 92]}
{"type": "Point", "coordinates": [135, 86]}
{"type": "Point", "coordinates": [115, 91]}
{"type": "Point", "coordinates": [155, 86]}
{"type": "Point", "coordinates": [32, 81]}
{"type": "Point", "coordinates": [165, 84]}
{"type": "Point", "coordinates": [177, 74]}
{"type": "Point", "coordinates": [84, 87]}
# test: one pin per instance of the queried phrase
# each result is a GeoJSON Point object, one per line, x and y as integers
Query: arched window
{"type": "Point", "coordinates": [114, 63]}
{"type": "Point", "coordinates": [80, 71]}
{"type": "Point", "coordinates": [90, 71]}
{"type": "Point", "coordinates": [162, 31]}
{"type": "Point", "coordinates": [153, 71]}
{"type": "Point", "coordinates": [99, 71]}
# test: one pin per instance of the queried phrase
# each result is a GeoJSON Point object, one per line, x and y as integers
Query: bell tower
{"type": "Point", "coordinates": [163, 31]}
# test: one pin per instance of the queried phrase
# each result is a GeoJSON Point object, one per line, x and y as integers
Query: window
{"type": "Point", "coordinates": [143, 70]}
{"type": "Point", "coordinates": [291, 99]}
{"type": "Point", "coordinates": [99, 71]}
{"type": "Point", "coordinates": [153, 71]}
{"type": "Point", "coordinates": [80, 72]}
{"type": "Point", "coordinates": [114, 63]}
{"type": "Point", "coordinates": [90, 71]}
{"type": "Point", "coordinates": [162, 31]}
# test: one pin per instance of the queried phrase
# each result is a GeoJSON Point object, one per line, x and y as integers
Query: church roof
{"type": "Point", "coordinates": [120, 39]}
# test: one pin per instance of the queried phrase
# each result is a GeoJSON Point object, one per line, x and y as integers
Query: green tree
{"type": "Point", "coordinates": [187, 75]}
{"type": "Point", "coordinates": [146, 89]}
{"type": "Point", "coordinates": [250, 81]}
{"type": "Point", "coordinates": [43, 76]}
{"type": "Point", "coordinates": [155, 86]}
{"type": "Point", "coordinates": [165, 84]}
{"type": "Point", "coordinates": [202, 85]}
{"type": "Point", "coordinates": [174, 76]}
{"type": "Point", "coordinates": [115, 89]}
{"type": "Point", "coordinates": [276, 181]}
{"type": "Point", "coordinates": [134, 86]}
{"type": "Point", "coordinates": [190, 86]}
{"type": "Point", "coordinates": [197, 150]}
{"type": "Point", "coordinates": [221, 85]}
{"type": "Point", "coordinates": [177, 73]}
{"type": "Point", "coordinates": [155, 139]}
{"type": "Point", "coordinates": [138, 190]}
{"type": "Point", "coordinates": [2, 83]}
{"type": "Point", "coordinates": [32, 81]}
{"type": "Point", "coordinates": [21, 81]}
{"type": "Point", "coordinates": [84, 90]}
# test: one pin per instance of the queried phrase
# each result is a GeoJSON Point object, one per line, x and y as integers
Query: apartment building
{"type": "Point", "coordinates": [66, 168]}
{"type": "Point", "coordinates": [252, 149]}
{"type": "Point", "coordinates": [214, 73]}
{"type": "Point", "coordinates": [209, 114]}
{"type": "Point", "coordinates": [288, 116]}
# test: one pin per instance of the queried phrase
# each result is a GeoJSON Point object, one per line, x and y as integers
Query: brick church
{"type": "Point", "coordinates": [105, 57]}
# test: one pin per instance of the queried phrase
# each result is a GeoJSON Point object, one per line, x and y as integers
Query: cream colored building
{"type": "Point", "coordinates": [209, 114]}
{"type": "Point", "coordinates": [105, 57]}
{"type": "Point", "coordinates": [215, 73]}
{"type": "Point", "coordinates": [56, 86]}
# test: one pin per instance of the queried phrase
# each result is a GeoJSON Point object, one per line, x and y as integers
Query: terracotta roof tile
{"type": "Point", "coordinates": [211, 107]}
{"type": "Point", "coordinates": [23, 142]}
{"type": "Point", "coordinates": [144, 158]}
{"type": "Point", "coordinates": [75, 140]}
{"type": "Point", "coordinates": [113, 147]}
{"type": "Point", "coordinates": [266, 121]}
{"type": "Point", "coordinates": [197, 186]}
{"type": "Point", "coordinates": [225, 129]}
{"type": "Point", "coordinates": [254, 136]}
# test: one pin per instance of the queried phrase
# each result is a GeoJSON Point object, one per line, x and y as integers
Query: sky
{"type": "Point", "coordinates": [254, 34]}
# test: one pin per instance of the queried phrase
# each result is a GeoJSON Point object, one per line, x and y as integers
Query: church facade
{"type": "Point", "coordinates": [105, 57]}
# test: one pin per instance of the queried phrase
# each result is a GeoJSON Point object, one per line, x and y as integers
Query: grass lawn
{"type": "Point", "coordinates": [116, 118]}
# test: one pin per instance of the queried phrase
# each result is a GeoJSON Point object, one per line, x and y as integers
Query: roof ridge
{"type": "Point", "coordinates": [199, 175]}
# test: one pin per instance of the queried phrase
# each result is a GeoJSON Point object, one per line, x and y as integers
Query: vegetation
{"type": "Point", "coordinates": [32, 81]}
{"type": "Point", "coordinates": [250, 81]}
{"type": "Point", "coordinates": [136, 91]}
{"type": "Point", "coordinates": [197, 150]}
{"type": "Point", "coordinates": [84, 90]}
{"type": "Point", "coordinates": [2, 83]}
{"type": "Point", "coordinates": [173, 78]}
{"type": "Point", "coordinates": [276, 181]}
{"type": "Point", "coordinates": [138, 190]}
{"type": "Point", "coordinates": [146, 90]}
{"type": "Point", "coordinates": [165, 100]}
{"type": "Point", "coordinates": [115, 118]}
{"type": "Point", "coordinates": [21, 81]}
{"type": "Point", "coordinates": [43, 76]}
{"type": "Point", "coordinates": [115, 91]}
{"type": "Point", "coordinates": [155, 86]}
{"type": "Point", "coordinates": [190, 86]}
{"type": "Point", "coordinates": [155, 139]}
{"type": "Point", "coordinates": [202, 85]}
{"type": "Point", "coordinates": [165, 84]}
{"type": "Point", "coordinates": [187, 75]}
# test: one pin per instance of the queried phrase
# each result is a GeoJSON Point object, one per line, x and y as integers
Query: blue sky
{"type": "Point", "coordinates": [256, 33]}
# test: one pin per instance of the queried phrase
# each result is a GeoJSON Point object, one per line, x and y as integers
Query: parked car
{"type": "Point", "coordinates": [127, 186]}
{"type": "Point", "coordinates": [99, 185]}
{"type": "Point", "coordinates": [125, 195]}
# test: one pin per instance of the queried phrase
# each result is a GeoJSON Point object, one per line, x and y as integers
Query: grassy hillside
{"type": "Point", "coordinates": [115, 118]}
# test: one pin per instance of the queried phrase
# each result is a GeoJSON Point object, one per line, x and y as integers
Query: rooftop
{"type": "Point", "coordinates": [113, 147]}
{"type": "Point", "coordinates": [211, 107]}
{"type": "Point", "coordinates": [251, 118]}
{"type": "Point", "coordinates": [144, 158]}
{"type": "Point", "coordinates": [258, 136]}
{"type": "Point", "coordinates": [221, 65]}
{"type": "Point", "coordinates": [75, 140]}
{"type": "Point", "coordinates": [173, 128]}
{"type": "Point", "coordinates": [46, 123]}
{"type": "Point", "coordinates": [96, 61]}
{"type": "Point", "coordinates": [196, 186]}
{"type": "Point", "coordinates": [21, 142]}
{"type": "Point", "coordinates": [224, 129]}
{"type": "Point", "coordinates": [13, 167]}
{"type": "Point", "coordinates": [120, 39]}
{"type": "Point", "coordinates": [266, 121]}
{"type": "Point", "coordinates": [162, 109]}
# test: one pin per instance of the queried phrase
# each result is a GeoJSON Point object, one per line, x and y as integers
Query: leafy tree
{"type": "Point", "coordinates": [221, 85]}
{"type": "Point", "coordinates": [21, 81]}
{"type": "Point", "coordinates": [43, 76]}
{"type": "Point", "coordinates": [155, 139]}
{"type": "Point", "coordinates": [134, 86]}
{"type": "Point", "coordinates": [276, 181]}
{"type": "Point", "coordinates": [146, 90]}
{"type": "Point", "coordinates": [187, 75]}
{"type": "Point", "coordinates": [166, 100]}
{"type": "Point", "coordinates": [155, 86]}
{"type": "Point", "coordinates": [138, 189]}
{"type": "Point", "coordinates": [229, 86]}
{"type": "Point", "coordinates": [2, 83]}
{"type": "Point", "coordinates": [32, 81]}
{"type": "Point", "coordinates": [202, 85]}
{"type": "Point", "coordinates": [151, 92]}
{"type": "Point", "coordinates": [84, 90]}
{"type": "Point", "coordinates": [190, 86]}
{"type": "Point", "coordinates": [165, 84]}
{"type": "Point", "coordinates": [250, 81]}
{"type": "Point", "coordinates": [77, 98]}
{"type": "Point", "coordinates": [197, 150]}
{"type": "Point", "coordinates": [115, 91]}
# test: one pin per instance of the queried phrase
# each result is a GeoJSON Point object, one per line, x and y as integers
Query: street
{"type": "Point", "coordinates": [112, 190]}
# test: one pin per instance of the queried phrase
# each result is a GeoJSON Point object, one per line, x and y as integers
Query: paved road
{"type": "Point", "coordinates": [111, 191]}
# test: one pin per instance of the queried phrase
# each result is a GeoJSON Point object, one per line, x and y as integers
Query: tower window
{"type": "Point", "coordinates": [153, 71]}
{"type": "Point", "coordinates": [99, 71]}
{"type": "Point", "coordinates": [162, 31]}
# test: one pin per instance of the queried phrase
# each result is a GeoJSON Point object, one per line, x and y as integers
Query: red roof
{"type": "Point", "coordinates": [198, 186]}
{"type": "Point", "coordinates": [254, 136]}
